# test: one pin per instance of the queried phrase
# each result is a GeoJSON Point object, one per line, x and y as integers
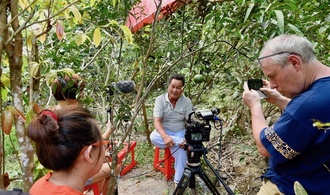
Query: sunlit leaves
{"type": "Point", "coordinates": [23, 4]}
{"type": "Point", "coordinates": [76, 13]}
{"type": "Point", "coordinates": [114, 2]}
{"type": "Point", "coordinates": [6, 83]}
{"type": "Point", "coordinates": [30, 114]}
{"type": "Point", "coordinates": [54, 73]}
{"type": "Point", "coordinates": [36, 31]}
{"type": "Point", "coordinates": [80, 38]}
{"type": "Point", "coordinates": [33, 68]}
{"type": "Point", "coordinates": [127, 33]}
{"type": "Point", "coordinates": [5, 80]}
{"type": "Point", "coordinates": [93, 2]}
{"type": "Point", "coordinates": [47, 3]}
{"type": "Point", "coordinates": [97, 37]}
{"type": "Point", "coordinates": [114, 24]}
{"type": "Point", "coordinates": [42, 38]}
{"type": "Point", "coordinates": [29, 40]}
{"type": "Point", "coordinates": [4, 93]}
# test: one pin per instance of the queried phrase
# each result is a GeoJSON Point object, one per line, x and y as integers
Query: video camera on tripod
{"type": "Point", "coordinates": [198, 130]}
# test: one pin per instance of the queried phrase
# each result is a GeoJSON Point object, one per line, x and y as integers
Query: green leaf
{"type": "Point", "coordinates": [23, 4]}
{"type": "Point", "coordinates": [295, 29]}
{"type": "Point", "coordinates": [248, 11]}
{"type": "Point", "coordinates": [54, 73]}
{"type": "Point", "coordinates": [280, 20]}
{"type": "Point", "coordinates": [128, 34]}
{"type": "Point", "coordinates": [299, 189]}
{"type": "Point", "coordinates": [114, 3]}
{"type": "Point", "coordinates": [76, 13]}
{"type": "Point", "coordinates": [92, 3]}
{"type": "Point", "coordinates": [33, 68]}
{"type": "Point", "coordinates": [4, 93]}
{"type": "Point", "coordinates": [5, 80]}
{"type": "Point", "coordinates": [97, 37]}
{"type": "Point", "coordinates": [80, 38]}
{"type": "Point", "coordinates": [113, 22]}
{"type": "Point", "coordinates": [29, 116]}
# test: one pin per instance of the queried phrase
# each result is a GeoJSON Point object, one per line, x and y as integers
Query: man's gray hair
{"type": "Point", "coordinates": [292, 44]}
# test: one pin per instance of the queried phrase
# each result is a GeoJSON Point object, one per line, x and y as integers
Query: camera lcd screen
{"type": "Point", "coordinates": [255, 84]}
{"type": "Point", "coordinates": [196, 136]}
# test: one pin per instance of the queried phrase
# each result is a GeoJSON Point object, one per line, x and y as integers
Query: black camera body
{"type": "Point", "coordinates": [256, 84]}
{"type": "Point", "coordinates": [199, 131]}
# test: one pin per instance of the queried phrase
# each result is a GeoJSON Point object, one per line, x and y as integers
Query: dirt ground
{"type": "Point", "coordinates": [239, 166]}
{"type": "Point", "coordinates": [148, 183]}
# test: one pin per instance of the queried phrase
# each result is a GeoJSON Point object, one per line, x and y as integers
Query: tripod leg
{"type": "Point", "coordinates": [192, 181]}
{"type": "Point", "coordinates": [183, 183]}
{"type": "Point", "coordinates": [208, 182]}
{"type": "Point", "coordinates": [230, 192]}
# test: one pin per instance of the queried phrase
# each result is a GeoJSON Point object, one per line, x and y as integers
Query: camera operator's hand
{"type": "Point", "coordinates": [275, 97]}
{"type": "Point", "coordinates": [250, 97]}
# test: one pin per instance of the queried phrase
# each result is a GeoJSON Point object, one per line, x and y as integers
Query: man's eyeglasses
{"type": "Point", "coordinates": [104, 143]}
{"type": "Point", "coordinates": [274, 54]}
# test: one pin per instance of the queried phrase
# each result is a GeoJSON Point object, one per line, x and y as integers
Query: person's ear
{"type": "Point", "coordinates": [88, 154]}
{"type": "Point", "coordinates": [295, 61]}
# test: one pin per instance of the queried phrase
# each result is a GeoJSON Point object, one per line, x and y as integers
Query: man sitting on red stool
{"type": "Point", "coordinates": [170, 113]}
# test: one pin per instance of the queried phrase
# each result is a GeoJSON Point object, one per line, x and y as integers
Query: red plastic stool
{"type": "Point", "coordinates": [165, 165]}
{"type": "Point", "coordinates": [129, 148]}
{"type": "Point", "coordinates": [126, 150]}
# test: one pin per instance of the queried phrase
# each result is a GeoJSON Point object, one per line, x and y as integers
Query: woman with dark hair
{"type": "Point", "coordinates": [66, 90]}
{"type": "Point", "coordinates": [69, 142]}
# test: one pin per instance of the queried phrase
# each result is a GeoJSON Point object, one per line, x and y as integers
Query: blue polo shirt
{"type": "Point", "coordinates": [298, 150]}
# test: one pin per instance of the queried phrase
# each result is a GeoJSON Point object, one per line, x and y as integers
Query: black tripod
{"type": "Point", "coordinates": [193, 167]}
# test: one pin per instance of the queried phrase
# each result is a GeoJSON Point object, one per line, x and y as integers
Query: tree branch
{"type": "Point", "coordinates": [25, 25]}
{"type": "Point", "coordinates": [16, 16]}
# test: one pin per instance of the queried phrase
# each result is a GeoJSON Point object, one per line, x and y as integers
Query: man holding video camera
{"type": "Point", "coordinates": [171, 111]}
{"type": "Point", "coordinates": [297, 147]}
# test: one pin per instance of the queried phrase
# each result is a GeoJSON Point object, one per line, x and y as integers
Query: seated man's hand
{"type": "Point", "coordinates": [168, 141]}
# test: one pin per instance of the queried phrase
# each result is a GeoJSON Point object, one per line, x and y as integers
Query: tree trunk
{"type": "Point", "coordinates": [146, 123]}
{"type": "Point", "coordinates": [3, 32]}
{"type": "Point", "coordinates": [14, 50]}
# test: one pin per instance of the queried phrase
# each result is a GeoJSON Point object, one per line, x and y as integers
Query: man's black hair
{"type": "Point", "coordinates": [177, 77]}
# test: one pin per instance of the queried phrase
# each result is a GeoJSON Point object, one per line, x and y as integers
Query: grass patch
{"type": "Point", "coordinates": [144, 153]}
